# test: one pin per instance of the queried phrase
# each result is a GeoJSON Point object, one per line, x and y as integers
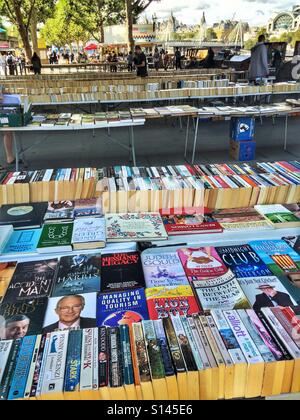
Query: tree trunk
{"type": "Point", "coordinates": [33, 31]}
{"type": "Point", "coordinates": [129, 24]}
{"type": "Point", "coordinates": [23, 31]}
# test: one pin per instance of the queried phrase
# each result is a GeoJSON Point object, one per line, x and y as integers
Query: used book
{"type": "Point", "coordinates": [121, 271]}
{"type": "Point", "coordinates": [279, 216]}
{"type": "Point", "coordinates": [59, 210]}
{"type": "Point", "coordinates": [22, 242]}
{"type": "Point", "coordinates": [190, 224]}
{"type": "Point", "coordinates": [126, 227]}
{"type": "Point", "coordinates": [24, 216]}
{"type": "Point", "coordinates": [241, 219]}
{"type": "Point", "coordinates": [77, 274]}
{"type": "Point", "coordinates": [56, 237]}
{"type": "Point", "coordinates": [87, 208]}
{"type": "Point", "coordinates": [5, 234]}
{"type": "Point", "coordinates": [121, 307]}
{"type": "Point", "coordinates": [89, 233]}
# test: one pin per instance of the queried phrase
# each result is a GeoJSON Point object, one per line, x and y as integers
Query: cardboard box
{"type": "Point", "coordinates": [242, 151]}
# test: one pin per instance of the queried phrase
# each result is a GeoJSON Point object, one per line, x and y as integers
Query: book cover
{"type": "Point", "coordinates": [6, 272]}
{"type": "Point", "coordinates": [10, 369]}
{"type": "Point", "coordinates": [70, 312]}
{"type": "Point", "coordinates": [241, 219]}
{"type": "Point", "coordinates": [278, 215]}
{"type": "Point", "coordinates": [243, 261]}
{"type": "Point", "coordinates": [22, 318]}
{"type": "Point", "coordinates": [265, 291]}
{"type": "Point", "coordinates": [89, 233]}
{"type": "Point", "coordinates": [184, 343]}
{"type": "Point", "coordinates": [190, 224]}
{"type": "Point", "coordinates": [77, 274]}
{"type": "Point", "coordinates": [103, 359]}
{"type": "Point", "coordinates": [5, 348]}
{"type": "Point", "coordinates": [293, 242]}
{"type": "Point", "coordinates": [23, 216]}
{"type": "Point", "coordinates": [175, 351]}
{"type": "Point", "coordinates": [164, 348]}
{"type": "Point", "coordinates": [163, 269]}
{"type": "Point", "coordinates": [123, 307]}
{"type": "Point", "coordinates": [30, 280]}
{"type": "Point", "coordinates": [5, 234]}
{"type": "Point", "coordinates": [87, 208]}
{"type": "Point", "coordinates": [126, 354]}
{"type": "Point", "coordinates": [221, 292]}
{"type": "Point", "coordinates": [134, 227]}
{"type": "Point", "coordinates": [201, 262]}
{"type": "Point", "coordinates": [121, 271]}
{"type": "Point", "coordinates": [115, 358]}
{"type": "Point", "coordinates": [153, 349]}
{"type": "Point", "coordinates": [59, 210]}
{"type": "Point", "coordinates": [22, 242]}
{"type": "Point", "coordinates": [56, 237]}
{"type": "Point", "coordinates": [176, 300]}
{"type": "Point", "coordinates": [278, 256]}
{"type": "Point", "coordinates": [141, 353]}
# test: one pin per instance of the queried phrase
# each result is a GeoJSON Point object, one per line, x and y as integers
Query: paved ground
{"type": "Point", "coordinates": [158, 143]}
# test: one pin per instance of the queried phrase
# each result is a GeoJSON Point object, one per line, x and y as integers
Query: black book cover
{"type": "Point", "coordinates": [115, 362]}
{"type": "Point", "coordinates": [103, 357]}
{"type": "Point", "coordinates": [77, 275]}
{"type": "Point", "coordinates": [22, 318]}
{"type": "Point", "coordinates": [33, 279]}
{"type": "Point", "coordinates": [23, 216]}
{"type": "Point", "coordinates": [10, 369]}
{"type": "Point", "coordinates": [121, 271]}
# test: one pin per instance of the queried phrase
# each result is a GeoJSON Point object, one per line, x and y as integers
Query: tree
{"type": "Point", "coordinates": [211, 35]}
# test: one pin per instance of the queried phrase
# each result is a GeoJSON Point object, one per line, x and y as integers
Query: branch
{"type": "Point", "coordinates": [11, 14]}
{"type": "Point", "coordinates": [30, 15]}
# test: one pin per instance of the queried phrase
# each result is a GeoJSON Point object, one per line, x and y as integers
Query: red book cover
{"type": "Point", "coordinates": [175, 300]}
{"type": "Point", "coordinates": [201, 262]}
{"type": "Point", "coordinates": [288, 166]}
{"type": "Point", "coordinates": [191, 223]}
{"type": "Point", "coordinates": [191, 170]}
{"type": "Point", "coordinates": [222, 182]}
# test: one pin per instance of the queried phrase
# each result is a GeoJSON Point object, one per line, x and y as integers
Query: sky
{"type": "Point", "coordinates": [255, 12]}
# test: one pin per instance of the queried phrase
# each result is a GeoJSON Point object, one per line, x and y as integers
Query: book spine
{"type": "Point", "coordinates": [141, 353]}
{"type": "Point", "coordinates": [211, 340]}
{"type": "Point", "coordinates": [218, 339]}
{"type": "Point", "coordinates": [184, 343]}
{"type": "Point", "coordinates": [153, 351]}
{"type": "Point", "coordinates": [5, 348]}
{"type": "Point", "coordinates": [205, 341]}
{"type": "Point", "coordinates": [103, 357]}
{"type": "Point", "coordinates": [198, 342]}
{"type": "Point", "coordinates": [86, 373]}
{"type": "Point", "coordinates": [192, 341]}
{"type": "Point", "coordinates": [126, 353]}
{"type": "Point", "coordinates": [10, 369]}
{"type": "Point", "coordinates": [73, 363]}
{"type": "Point", "coordinates": [164, 348]}
{"type": "Point", "coordinates": [32, 366]}
{"type": "Point", "coordinates": [40, 367]}
{"type": "Point", "coordinates": [95, 366]}
{"type": "Point", "coordinates": [18, 384]}
{"type": "Point", "coordinates": [115, 366]}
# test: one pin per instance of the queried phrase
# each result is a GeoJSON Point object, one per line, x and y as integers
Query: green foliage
{"type": "Point", "coordinates": [211, 34]}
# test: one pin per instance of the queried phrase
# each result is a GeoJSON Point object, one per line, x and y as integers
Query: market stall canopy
{"type": "Point", "coordinates": [91, 47]}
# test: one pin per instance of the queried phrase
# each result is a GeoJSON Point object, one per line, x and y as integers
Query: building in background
{"type": "Point", "coordinates": [286, 21]}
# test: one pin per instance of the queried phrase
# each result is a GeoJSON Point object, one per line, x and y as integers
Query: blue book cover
{"type": "Point", "coordinates": [278, 256]}
{"type": "Point", "coordinates": [121, 308]}
{"type": "Point", "coordinates": [19, 380]}
{"type": "Point", "coordinates": [128, 374]}
{"type": "Point", "coordinates": [23, 242]}
{"type": "Point", "coordinates": [73, 362]}
{"type": "Point", "coordinates": [243, 261]}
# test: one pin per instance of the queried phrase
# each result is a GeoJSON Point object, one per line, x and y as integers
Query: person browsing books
{"type": "Point", "coordinates": [15, 327]}
{"type": "Point", "coordinates": [68, 310]}
{"type": "Point", "coordinates": [140, 62]}
{"type": "Point", "coordinates": [270, 297]}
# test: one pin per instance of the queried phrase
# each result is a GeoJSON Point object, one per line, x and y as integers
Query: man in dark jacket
{"type": "Point", "coordinates": [259, 67]}
{"type": "Point", "coordinates": [36, 63]}
{"type": "Point", "coordinates": [68, 310]}
{"type": "Point", "coordinates": [271, 297]}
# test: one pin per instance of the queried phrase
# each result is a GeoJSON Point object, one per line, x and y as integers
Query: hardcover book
{"type": "Point", "coordinates": [123, 307]}
{"type": "Point", "coordinates": [221, 292]}
{"type": "Point", "coordinates": [278, 256]}
{"type": "Point", "coordinates": [121, 271]}
{"type": "Point", "coordinates": [59, 210]}
{"type": "Point", "coordinates": [241, 219]}
{"type": "Point", "coordinates": [89, 233]}
{"type": "Point", "coordinates": [201, 262]}
{"type": "Point", "coordinates": [176, 300]}
{"type": "Point", "coordinates": [56, 237]}
{"type": "Point", "coordinates": [278, 216]}
{"type": "Point", "coordinates": [163, 269]}
{"type": "Point", "coordinates": [265, 291]}
{"type": "Point", "coordinates": [22, 242]}
{"type": "Point", "coordinates": [190, 224]}
{"type": "Point", "coordinates": [77, 274]}
{"type": "Point", "coordinates": [22, 318]}
{"type": "Point", "coordinates": [243, 261]}
{"type": "Point", "coordinates": [32, 279]}
{"type": "Point", "coordinates": [23, 216]}
{"type": "Point", "coordinates": [126, 227]}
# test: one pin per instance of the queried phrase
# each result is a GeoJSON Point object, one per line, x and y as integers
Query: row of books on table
{"type": "Point", "coordinates": [228, 351]}
{"type": "Point", "coordinates": [65, 226]}
{"type": "Point", "coordinates": [125, 188]}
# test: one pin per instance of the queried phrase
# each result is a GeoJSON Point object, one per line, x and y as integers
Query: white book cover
{"type": "Point", "coordinates": [89, 230]}
{"type": "Point", "coordinates": [95, 359]}
{"type": "Point", "coordinates": [5, 234]}
{"type": "Point", "coordinates": [87, 372]}
{"type": "Point", "coordinates": [244, 339]}
{"type": "Point", "coordinates": [43, 365]}
{"type": "Point", "coordinates": [54, 374]}
{"type": "Point", "coordinates": [5, 347]}
{"type": "Point", "coordinates": [199, 344]}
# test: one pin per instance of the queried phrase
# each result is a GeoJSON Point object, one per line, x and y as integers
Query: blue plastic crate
{"type": "Point", "coordinates": [242, 128]}
{"type": "Point", "coordinates": [243, 151]}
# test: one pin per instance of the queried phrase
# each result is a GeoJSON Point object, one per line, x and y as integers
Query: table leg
{"type": "Point", "coordinates": [131, 133]}
{"type": "Point", "coordinates": [195, 141]}
{"type": "Point", "coordinates": [285, 132]}
{"type": "Point", "coordinates": [187, 136]}
{"type": "Point", "coordinates": [180, 123]}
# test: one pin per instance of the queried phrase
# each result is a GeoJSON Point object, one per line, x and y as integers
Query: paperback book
{"type": "Point", "coordinates": [22, 242]}
{"type": "Point", "coordinates": [123, 307]}
{"type": "Point", "coordinates": [87, 208]}
{"type": "Point", "coordinates": [23, 216]}
{"type": "Point", "coordinates": [190, 224]}
{"type": "Point", "coordinates": [55, 237]}
{"type": "Point", "coordinates": [89, 233]}
{"type": "Point", "coordinates": [241, 219]}
{"type": "Point", "coordinates": [59, 211]}
{"type": "Point", "coordinates": [278, 216]}
{"type": "Point", "coordinates": [5, 234]}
